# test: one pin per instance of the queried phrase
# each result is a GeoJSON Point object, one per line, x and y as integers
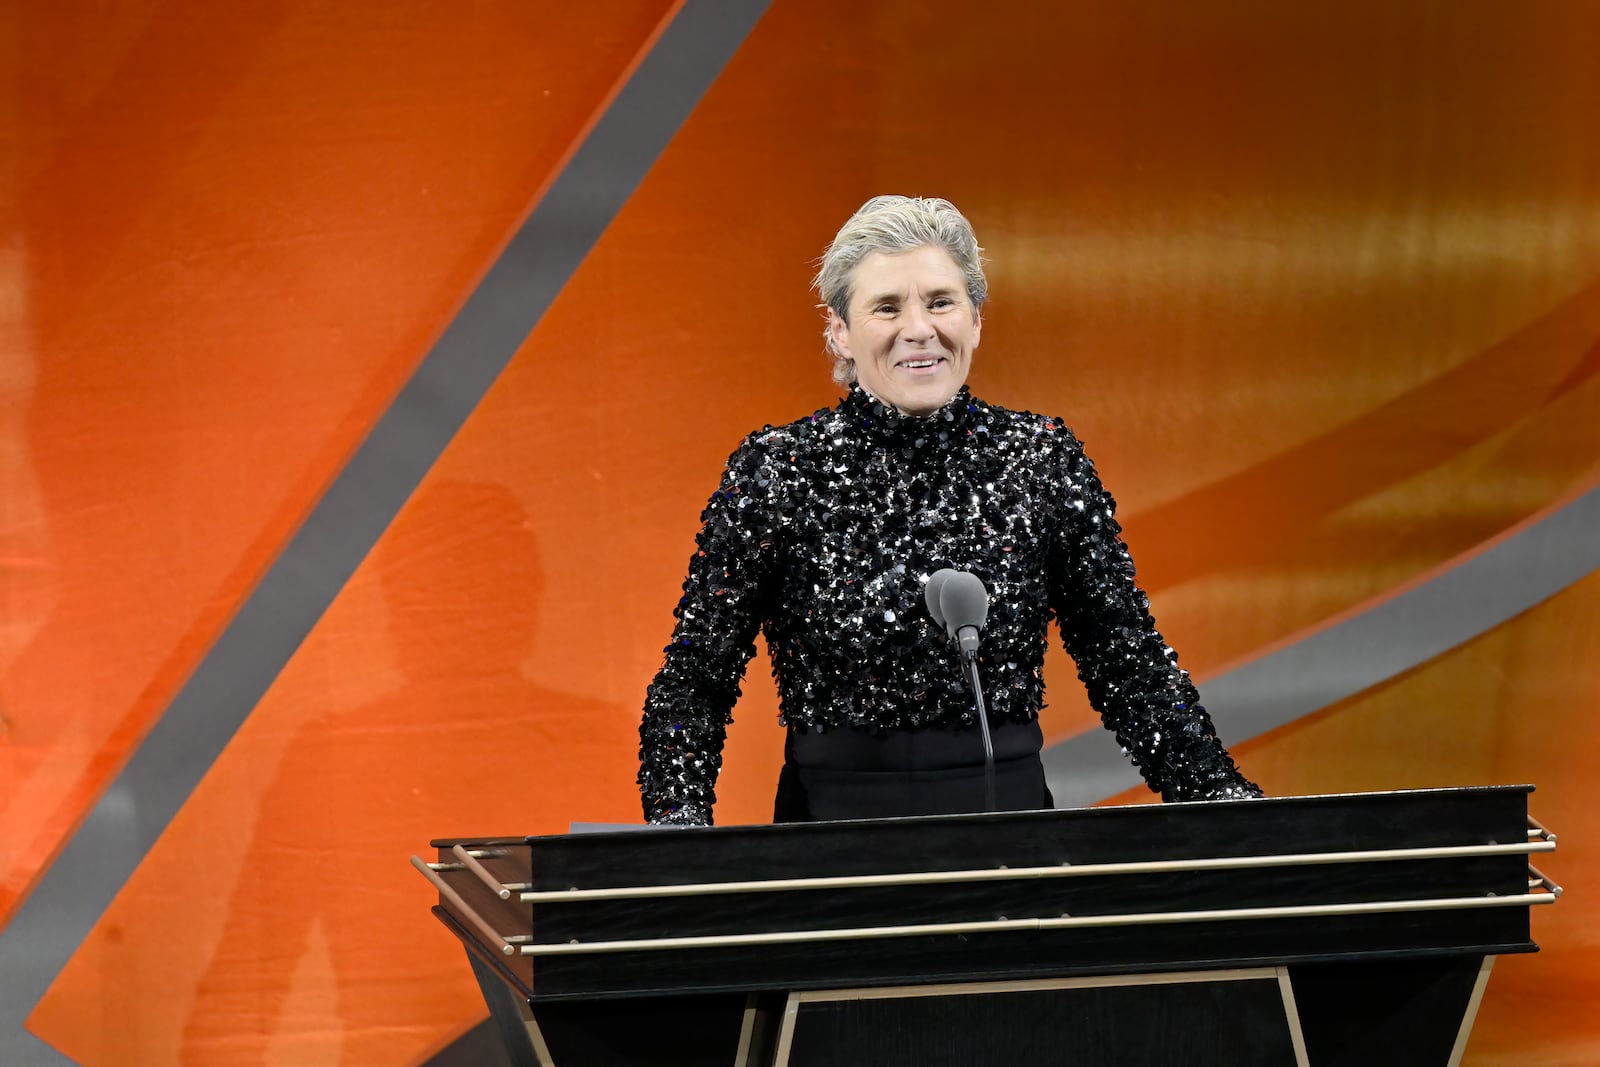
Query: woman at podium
{"type": "Point", "coordinates": [825, 531]}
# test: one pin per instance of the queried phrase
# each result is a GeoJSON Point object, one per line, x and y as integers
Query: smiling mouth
{"type": "Point", "coordinates": [921, 364]}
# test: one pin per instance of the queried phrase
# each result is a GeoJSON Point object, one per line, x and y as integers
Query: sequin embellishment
{"type": "Point", "coordinates": [821, 536]}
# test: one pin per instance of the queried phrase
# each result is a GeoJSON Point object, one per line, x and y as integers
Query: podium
{"type": "Point", "coordinates": [1319, 931]}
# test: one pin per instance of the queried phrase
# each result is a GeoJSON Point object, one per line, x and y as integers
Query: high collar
{"type": "Point", "coordinates": [952, 422]}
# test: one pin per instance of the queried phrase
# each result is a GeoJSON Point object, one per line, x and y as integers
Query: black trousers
{"type": "Point", "coordinates": [856, 774]}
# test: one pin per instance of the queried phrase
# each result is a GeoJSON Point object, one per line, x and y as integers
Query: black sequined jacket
{"type": "Point", "coordinates": [822, 535]}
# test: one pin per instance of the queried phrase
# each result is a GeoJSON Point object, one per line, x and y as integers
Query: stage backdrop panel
{"type": "Point", "coordinates": [1317, 286]}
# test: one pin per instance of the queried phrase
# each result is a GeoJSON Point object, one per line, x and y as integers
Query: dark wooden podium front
{"type": "Point", "coordinates": [1330, 930]}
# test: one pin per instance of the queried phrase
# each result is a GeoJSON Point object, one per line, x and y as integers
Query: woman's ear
{"type": "Point", "coordinates": [838, 335]}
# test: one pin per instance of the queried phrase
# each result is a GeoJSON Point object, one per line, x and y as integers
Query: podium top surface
{"type": "Point", "coordinates": [1191, 830]}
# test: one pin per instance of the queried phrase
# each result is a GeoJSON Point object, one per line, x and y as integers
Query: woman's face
{"type": "Point", "coordinates": [911, 330]}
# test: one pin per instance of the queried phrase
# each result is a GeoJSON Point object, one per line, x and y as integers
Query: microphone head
{"type": "Point", "coordinates": [930, 593]}
{"type": "Point", "coordinates": [963, 602]}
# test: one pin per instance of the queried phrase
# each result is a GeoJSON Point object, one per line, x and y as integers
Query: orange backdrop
{"type": "Point", "coordinates": [1319, 285]}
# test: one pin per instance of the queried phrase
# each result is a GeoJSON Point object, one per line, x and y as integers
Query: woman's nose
{"type": "Point", "coordinates": [918, 324]}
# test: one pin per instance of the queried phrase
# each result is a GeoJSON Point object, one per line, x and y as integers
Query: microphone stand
{"type": "Point", "coordinates": [958, 601]}
{"type": "Point", "coordinates": [971, 660]}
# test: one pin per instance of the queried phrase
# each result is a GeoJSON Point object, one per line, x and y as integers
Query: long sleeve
{"type": "Point", "coordinates": [725, 598]}
{"type": "Point", "coordinates": [1131, 675]}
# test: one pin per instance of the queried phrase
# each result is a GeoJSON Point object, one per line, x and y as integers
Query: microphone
{"type": "Point", "coordinates": [964, 603]}
{"type": "Point", "coordinates": [958, 601]}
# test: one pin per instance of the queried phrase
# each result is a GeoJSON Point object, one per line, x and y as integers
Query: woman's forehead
{"type": "Point", "coordinates": [926, 269]}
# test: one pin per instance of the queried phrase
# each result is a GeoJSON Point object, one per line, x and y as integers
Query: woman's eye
{"type": "Point", "coordinates": [886, 309]}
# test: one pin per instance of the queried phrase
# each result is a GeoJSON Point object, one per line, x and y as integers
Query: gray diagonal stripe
{"type": "Point", "coordinates": [357, 508]}
{"type": "Point", "coordinates": [1364, 650]}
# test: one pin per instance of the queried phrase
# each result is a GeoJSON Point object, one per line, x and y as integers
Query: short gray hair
{"type": "Point", "coordinates": [893, 224]}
